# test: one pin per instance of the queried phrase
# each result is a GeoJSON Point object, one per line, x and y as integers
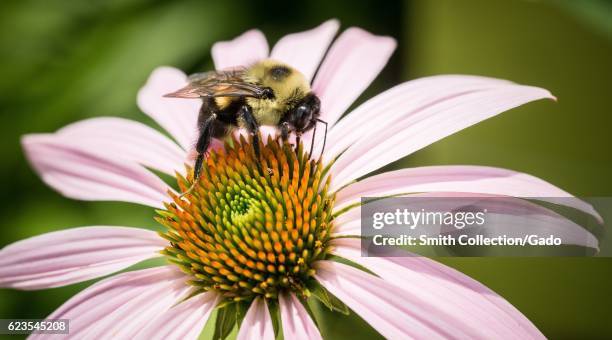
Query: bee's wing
{"type": "Point", "coordinates": [218, 84]}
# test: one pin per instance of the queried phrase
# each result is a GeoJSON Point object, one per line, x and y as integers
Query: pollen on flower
{"type": "Point", "coordinates": [251, 227]}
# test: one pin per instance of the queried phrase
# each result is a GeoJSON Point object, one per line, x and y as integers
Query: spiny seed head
{"type": "Point", "coordinates": [251, 227]}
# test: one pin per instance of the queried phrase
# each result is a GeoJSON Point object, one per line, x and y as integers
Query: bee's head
{"type": "Point", "coordinates": [302, 116]}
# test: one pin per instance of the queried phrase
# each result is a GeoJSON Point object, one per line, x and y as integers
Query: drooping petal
{"type": "Point", "coordinates": [178, 116]}
{"type": "Point", "coordinates": [245, 49]}
{"type": "Point", "coordinates": [397, 103]}
{"type": "Point", "coordinates": [470, 305]}
{"type": "Point", "coordinates": [304, 50]}
{"type": "Point", "coordinates": [122, 305]}
{"type": "Point", "coordinates": [297, 324]}
{"type": "Point", "coordinates": [78, 173]}
{"type": "Point", "coordinates": [393, 312]}
{"type": "Point", "coordinates": [353, 61]}
{"type": "Point", "coordinates": [257, 323]}
{"type": "Point", "coordinates": [184, 321]}
{"type": "Point", "coordinates": [123, 139]}
{"type": "Point", "coordinates": [505, 217]}
{"type": "Point", "coordinates": [468, 179]}
{"type": "Point", "coordinates": [74, 255]}
{"type": "Point", "coordinates": [427, 126]}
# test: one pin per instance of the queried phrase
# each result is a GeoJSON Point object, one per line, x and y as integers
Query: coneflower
{"type": "Point", "coordinates": [258, 238]}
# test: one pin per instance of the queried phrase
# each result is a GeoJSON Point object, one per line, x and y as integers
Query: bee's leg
{"type": "Point", "coordinates": [298, 139]}
{"type": "Point", "coordinates": [206, 129]}
{"type": "Point", "coordinates": [285, 130]}
{"type": "Point", "coordinates": [246, 113]}
{"type": "Point", "coordinates": [203, 143]}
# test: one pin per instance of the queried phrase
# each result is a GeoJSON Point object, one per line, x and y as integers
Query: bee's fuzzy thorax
{"type": "Point", "coordinates": [288, 84]}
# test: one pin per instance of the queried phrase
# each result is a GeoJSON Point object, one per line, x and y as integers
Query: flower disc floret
{"type": "Point", "coordinates": [251, 227]}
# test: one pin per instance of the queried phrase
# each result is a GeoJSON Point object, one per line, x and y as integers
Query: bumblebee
{"type": "Point", "coordinates": [268, 92]}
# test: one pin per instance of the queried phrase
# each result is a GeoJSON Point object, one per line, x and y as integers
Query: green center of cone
{"type": "Point", "coordinates": [251, 227]}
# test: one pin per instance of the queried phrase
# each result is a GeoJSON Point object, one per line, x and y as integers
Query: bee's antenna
{"type": "Point", "coordinates": [325, 136]}
{"type": "Point", "coordinates": [314, 133]}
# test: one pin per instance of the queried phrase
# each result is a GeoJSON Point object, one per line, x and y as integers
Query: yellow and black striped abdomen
{"type": "Point", "coordinates": [224, 102]}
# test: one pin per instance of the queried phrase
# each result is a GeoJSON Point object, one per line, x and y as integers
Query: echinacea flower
{"type": "Point", "coordinates": [256, 240]}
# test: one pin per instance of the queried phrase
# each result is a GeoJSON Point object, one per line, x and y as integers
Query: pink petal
{"type": "Point", "coordinates": [397, 103]}
{"type": "Point", "coordinates": [393, 312]}
{"type": "Point", "coordinates": [352, 63]}
{"type": "Point", "coordinates": [122, 305]}
{"type": "Point", "coordinates": [505, 217]}
{"type": "Point", "coordinates": [178, 116]}
{"type": "Point", "coordinates": [257, 323]}
{"type": "Point", "coordinates": [118, 138]}
{"type": "Point", "coordinates": [348, 223]}
{"type": "Point", "coordinates": [74, 255]}
{"type": "Point", "coordinates": [468, 179]}
{"type": "Point", "coordinates": [77, 172]}
{"type": "Point", "coordinates": [305, 50]}
{"type": "Point", "coordinates": [297, 324]}
{"type": "Point", "coordinates": [467, 304]}
{"type": "Point", "coordinates": [427, 126]}
{"type": "Point", "coordinates": [184, 321]}
{"type": "Point", "coordinates": [247, 48]}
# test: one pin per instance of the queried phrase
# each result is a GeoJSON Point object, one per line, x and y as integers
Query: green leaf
{"type": "Point", "coordinates": [226, 320]}
{"type": "Point", "coordinates": [275, 316]}
{"type": "Point", "coordinates": [310, 311]}
{"type": "Point", "coordinates": [230, 314]}
{"type": "Point", "coordinates": [241, 310]}
{"type": "Point", "coordinates": [328, 299]}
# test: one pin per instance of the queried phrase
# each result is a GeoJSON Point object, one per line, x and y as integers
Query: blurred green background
{"type": "Point", "coordinates": [65, 60]}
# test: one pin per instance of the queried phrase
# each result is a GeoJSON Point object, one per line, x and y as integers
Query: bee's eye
{"type": "Point", "coordinates": [301, 117]}
{"type": "Point", "coordinates": [301, 110]}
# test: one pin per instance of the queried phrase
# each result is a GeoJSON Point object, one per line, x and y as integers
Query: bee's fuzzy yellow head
{"type": "Point", "coordinates": [286, 82]}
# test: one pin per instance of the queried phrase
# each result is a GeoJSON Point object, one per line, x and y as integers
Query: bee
{"type": "Point", "coordinates": [268, 93]}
